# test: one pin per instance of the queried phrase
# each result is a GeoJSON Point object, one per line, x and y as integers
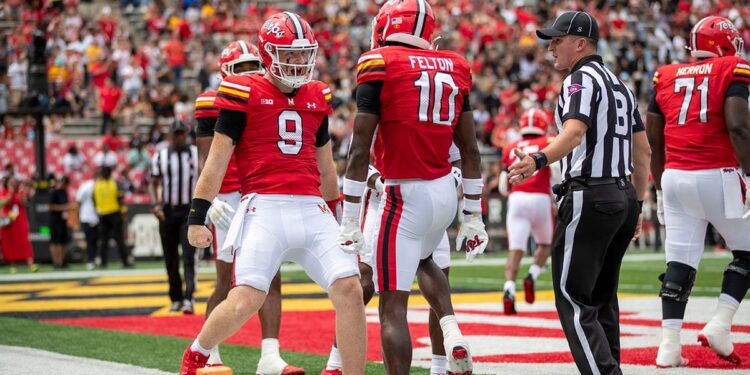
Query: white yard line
{"type": "Point", "coordinates": [21, 360]}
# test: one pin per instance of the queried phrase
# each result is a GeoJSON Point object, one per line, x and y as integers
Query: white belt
{"type": "Point", "coordinates": [235, 229]}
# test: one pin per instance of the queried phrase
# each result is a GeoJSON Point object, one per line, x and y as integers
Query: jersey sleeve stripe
{"type": "Point", "coordinates": [204, 104]}
{"type": "Point", "coordinates": [205, 98]}
{"type": "Point", "coordinates": [241, 94]}
{"type": "Point", "coordinates": [371, 63]}
{"type": "Point", "coordinates": [231, 98]}
{"type": "Point", "coordinates": [326, 90]}
{"type": "Point", "coordinates": [329, 97]}
{"type": "Point", "coordinates": [742, 66]}
{"type": "Point", "coordinates": [369, 57]}
{"type": "Point", "coordinates": [371, 70]}
{"type": "Point", "coordinates": [740, 71]}
{"type": "Point", "coordinates": [234, 86]}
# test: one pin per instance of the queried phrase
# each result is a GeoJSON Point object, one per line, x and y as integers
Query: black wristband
{"type": "Point", "coordinates": [540, 160]}
{"type": "Point", "coordinates": [198, 211]}
{"type": "Point", "coordinates": [640, 205]}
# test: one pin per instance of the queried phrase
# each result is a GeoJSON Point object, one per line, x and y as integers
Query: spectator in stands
{"type": "Point", "coordinates": [138, 157]}
{"type": "Point", "coordinates": [109, 103]}
{"type": "Point", "coordinates": [175, 53]}
{"type": "Point", "coordinates": [16, 245]}
{"type": "Point", "coordinates": [108, 203]}
{"type": "Point", "coordinates": [58, 222]}
{"type": "Point", "coordinates": [113, 140]}
{"type": "Point", "coordinates": [73, 160]}
{"type": "Point", "coordinates": [89, 219]}
{"type": "Point", "coordinates": [17, 71]}
{"type": "Point", "coordinates": [4, 96]}
{"type": "Point", "coordinates": [106, 157]}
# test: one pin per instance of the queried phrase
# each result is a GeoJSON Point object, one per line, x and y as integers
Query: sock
{"type": "Point", "coordinates": [196, 347]}
{"type": "Point", "coordinates": [735, 285]}
{"type": "Point", "coordinates": [725, 310]}
{"type": "Point", "coordinates": [670, 334]}
{"type": "Point", "coordinates": [334, 359]}
{"type": "Point", "coordinates": [449, 325]}
{"type": "Point", "coordinates": [535, 271]}
{"type": "Point", "coordinates": [439, 364]}
{"type": "Point", "coordinates": [269, 347]}
{"type": "Point", "coordinates": [215, 357]}
{"type": "Point", "coordinates": [510, 286]}
{"type": "Point", "coordinates": [672, 323]}
{"type": "Point", "coordinates": [671, 309]}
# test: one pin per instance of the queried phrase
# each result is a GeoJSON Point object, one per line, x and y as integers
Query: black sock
{"type": "Point", "coordinates": [671, 309]}
{"type": "Point", "coordinates": [735, 285]}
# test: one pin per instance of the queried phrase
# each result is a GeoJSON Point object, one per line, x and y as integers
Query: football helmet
{"type": "Point", "coordinates": [410, 22]}
{"type": "Point", "coordinates": [239, 52]}
{"type": "Point", "coordinates": [288, 48]}
{"type": "Point", "coordinates": [715, 36]}
{"type": "Point", "coordinates": [534, 122]}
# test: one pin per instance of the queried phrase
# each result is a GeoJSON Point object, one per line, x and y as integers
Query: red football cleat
{"type": "Point", "coordinates": [291, 370]}
{"type": "Point", "coordinates": [336, 371]}
{"type": "Point", "coordinates": [732, 357]}
{"type": "Point", "coordinates": [528, 288]}
{"type": "Point", "coordinates": [509, 304]}
{"type": "Point", "coordinates": [192, 361]}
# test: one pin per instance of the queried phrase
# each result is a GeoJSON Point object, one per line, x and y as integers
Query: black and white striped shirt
{"type": "Point", "coordinates": [593, 94]}
{"type": "Point", "coordinates": [178, 171]}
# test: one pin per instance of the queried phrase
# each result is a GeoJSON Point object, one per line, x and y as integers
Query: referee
{"type": "Point", "coordinates": [173, 172]}
{"type": "Point", "coordinates": [601, 137]}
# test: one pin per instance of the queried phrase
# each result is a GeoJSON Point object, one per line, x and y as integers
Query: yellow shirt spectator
{"type": "Point", "coordinates": [106, 197]}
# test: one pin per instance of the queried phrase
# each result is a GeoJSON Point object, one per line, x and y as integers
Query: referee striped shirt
{"type": "Point", "coordinates": [593, 94]}
{"type": "Point", "coordinates": [178, 171]}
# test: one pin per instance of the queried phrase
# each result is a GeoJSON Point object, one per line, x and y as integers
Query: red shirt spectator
{"type": "Point", "coordinates": [113, 140]}
{"type": "Point", "coordinates": [99, 72]}
{"type": "Point", "coordinates": [109, 97]}
{"type": "Point", "coordinates": [175, 51]}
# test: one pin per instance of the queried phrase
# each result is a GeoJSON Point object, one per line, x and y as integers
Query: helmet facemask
{"type": "Point", "coordinates": [293, 65]}
{"type": "Point", "coordinates": [229, 69]}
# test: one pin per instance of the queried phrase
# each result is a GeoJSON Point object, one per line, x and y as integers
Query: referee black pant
{"type": "Point", "coordinates": [173, 231]}
{"type": "Point", "coordinates": [594, 228]}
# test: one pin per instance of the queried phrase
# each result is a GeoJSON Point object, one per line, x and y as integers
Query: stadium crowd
{"type": "Point", "coordinates": [137, 66]}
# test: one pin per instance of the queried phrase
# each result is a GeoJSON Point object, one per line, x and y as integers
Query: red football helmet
{"type": "Point", "coordinates": [288, 48]}
{"type": "Point", "coordinates": [534, 122]}
{"type": "Point", "coordinates": [410, 22]}
{"type": "Point", "coordinates": [239, 52]}
{"type": "Point", "coordinates": [715, 36]}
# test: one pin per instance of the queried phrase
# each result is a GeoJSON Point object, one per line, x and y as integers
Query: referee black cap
{"type": "Point", "coordinates": [178, 126]}
{"type": "Point", "coordinates": [571, 23]}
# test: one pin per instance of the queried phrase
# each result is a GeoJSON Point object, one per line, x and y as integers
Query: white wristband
{"type": "Point", "coordinates": [371, 171]}
{"type": "Point", "coordinates": [354, 188]}
{"type": "Point", "coordinates": [350, 211]}
{"type": "Point", "coordinates": [473, 186]}
{"type": "Point", "coordinates": [473, 205]}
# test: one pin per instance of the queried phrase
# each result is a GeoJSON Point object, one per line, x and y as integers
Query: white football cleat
{"type": "Point", "coordinates": [670, 352]}
{"type": "Point", "coordinates": [716, 337]}
{"type": "Point", "coordinates": [458, 355]}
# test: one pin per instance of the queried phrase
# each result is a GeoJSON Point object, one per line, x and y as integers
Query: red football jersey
{"type": "Point", "coordinates": [422, 100]}
{"type": "Point", "coordinates": [539, 182]}
{"type": "Point", "coordinates": [691, 98]}
{"type": "Point", "coordinates": [276, 152]}
{"type": "Point", "coordinates": [205, 108]}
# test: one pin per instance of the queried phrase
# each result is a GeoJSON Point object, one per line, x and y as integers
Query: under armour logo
{"type": "Point", "coordinates": [251, 209]}
{"type": "Point", "coordinates": [291, 101]}
{"type": "Point", "coordinates": [311, 105]}
{"type": "Point", "coordinates": [473, 243]}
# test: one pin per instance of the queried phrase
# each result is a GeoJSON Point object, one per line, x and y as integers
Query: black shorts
{"type": "Point", "coordinates": [59, 233]}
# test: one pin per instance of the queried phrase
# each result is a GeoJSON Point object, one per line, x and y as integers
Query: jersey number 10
{"type": "Point", "coordinates": [689, 84]}
{"type": "Point", "coordinates": [431, 93]}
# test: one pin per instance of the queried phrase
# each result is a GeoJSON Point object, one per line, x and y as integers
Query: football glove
{"type": "Point", "coordinates": [221, 214]}
{"type": "Point", "coordinates": [457, 175]}
{"type": "Point", "coordinates": [350, 237]}
{"type": "Point", "coordinates": [502, 185]}
{"type": "Point", "coordinates": [472, 230]}
{"type": "Point", "coordinates": [660, 206]}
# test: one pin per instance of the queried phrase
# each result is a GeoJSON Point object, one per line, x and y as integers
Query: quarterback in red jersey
{"type": "Point", "coordinates": [529, 208]}
{"type": "Point", "coordinates": [699, 135]}
{"type": "Point", "coordinates": [425, 92]}
{"type": "Point", "coordinates": [238, 58]}
{"type": "Point", "coordinates": [276, 125]}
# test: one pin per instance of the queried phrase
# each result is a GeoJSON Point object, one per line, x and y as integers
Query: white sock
{"type": "Point", "coordinates": [215, 357]}
{"type": "Point", "coordinates": [535, 271]}
{"type": "Point", "coordinates": [196, 347]}
{"type": "Point", "coordinates": [725, 310]}
{"type": "Point", "coordinates": [510, 286]}
{"type": "Point", "coordinates": [670, 334]}
{"type": "Point", "coordinates": [672, 323]}
{"type": "Point", "coordinates": [269, 347]}
{"type": "Point", "coordinates": [449, 325]}
{"type": "Point", "coordinates": [334, 359]}
{"type": "Point", "coordinates": [439, 364]}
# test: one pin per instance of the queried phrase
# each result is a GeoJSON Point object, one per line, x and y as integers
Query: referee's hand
{"type": "Point", "coordinates": [523, 169]}
{"type": "Point", "coordinates": [199, 236]}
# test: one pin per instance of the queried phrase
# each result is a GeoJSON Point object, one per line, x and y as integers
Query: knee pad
{"type": "Point", "coordinates": [677, 282]}
{"type": "Point", "coordinates": [740, 264]}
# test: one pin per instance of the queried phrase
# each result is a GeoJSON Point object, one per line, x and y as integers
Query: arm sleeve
{"type": "Point", "coordinates": [466, 107]}
{"type": "Point", "coordinates": [322, 136]}
{"type": "Point", "coordinates": [653, 106]}
{"type": "Point", "coordinates": [578, 95]}
{"type": "Point", "coordinates": [231, 123]}
{"type": "Point", "coordinates": [368, 97]}
{"type": "Point", "coordinates": [205, 127]}
{"type": "Point", "coordinates": [738, 89]}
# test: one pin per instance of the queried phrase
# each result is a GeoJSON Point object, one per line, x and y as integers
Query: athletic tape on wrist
{"type": "Point", "coordinates": [371, 171]}
{"type": "Point", "coordinates": [351, 210]}
{"type": "Point", "coordinates": [354, 188]}
{"type": "Point", "coordinates": [472, 205]}
{"type": "Point", "coordinates": [473, 186]}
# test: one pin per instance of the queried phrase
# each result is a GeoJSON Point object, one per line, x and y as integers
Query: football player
{"type": "Point", "coordinates": [238, 58]}
{"type": "Point", "coordinates": [426, 94]}
{"type": "Point", "coordinates": [277, 124]}
{"type": "Point", "coordinates": [698, 130]}
{"type": "Point", "coordinates": [530, 208]}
